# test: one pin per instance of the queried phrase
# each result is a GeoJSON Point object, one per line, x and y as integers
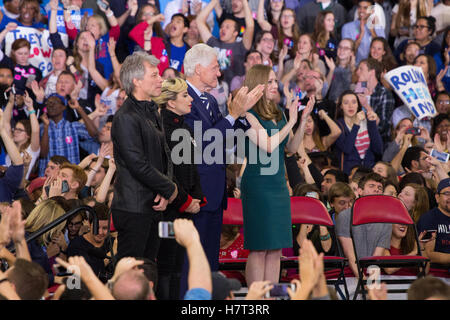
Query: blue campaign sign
{"type": "Point", "coordinates": [76, 16]}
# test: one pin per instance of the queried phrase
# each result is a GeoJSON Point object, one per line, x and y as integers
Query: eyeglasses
{"type": "Point", "coordinates": [18, 130]}
{"type": "Point", "coordinates": [445, 194]}
{"type": "Point", "coordinates": [344, 48]}
{"type": "Point", "coordinates": [420, 27]}
{"type": "Point", "coordinates": [444, 102]}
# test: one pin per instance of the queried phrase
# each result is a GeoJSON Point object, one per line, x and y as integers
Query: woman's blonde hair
{"type": "Point", "coordinates": [102, 23]}
{"type": "Point", "coordinates": [44, 213]}
{"type": "Point", "coordinates": [169, 91]}
{"type": "Point", "coordinates": [266, 109]}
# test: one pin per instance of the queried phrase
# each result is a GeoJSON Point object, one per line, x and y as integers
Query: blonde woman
{"type": "Point", "coordinates": [44, 247]}
{"type": "Point", "coordinates": [174, 103]}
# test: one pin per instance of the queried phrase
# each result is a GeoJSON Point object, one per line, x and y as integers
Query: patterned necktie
{"type": "Point", "coordinates": [206, 104]}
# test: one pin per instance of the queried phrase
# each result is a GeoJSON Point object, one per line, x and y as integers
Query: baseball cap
{"type": "Point", "coordinates": [222, 286]}
{"type": "Point", "coordinates": [36, 184]}
{"type": "Point", "coordinates": [443, 184]}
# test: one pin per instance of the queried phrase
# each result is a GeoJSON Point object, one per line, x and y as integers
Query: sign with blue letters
{"type": "Point", "coordinates": [410, 85]}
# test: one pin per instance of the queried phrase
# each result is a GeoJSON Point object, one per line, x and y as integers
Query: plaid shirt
{"type": "Point", "coordinates": [383, 103]}
{"type": "Point", "coordinates": [63, 140]}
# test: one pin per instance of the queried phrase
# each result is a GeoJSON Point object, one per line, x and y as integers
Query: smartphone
{"type": "Point", "coordinates": [428, 235]}
{"type": "Point", "coordinates": [289, 43]}
{"type": "Point", "coordinates": [360, 86]}
{"type": "Point", "coordinates": [414, 131]}
{"type": "Point", "coordinates": [103, 5]}
{"type": "Point", "coordinates": [279, 290]}
{"type": "Point", "coordinates": [30, 79]}
{"type": "Point", "coordinates": [165, 230]}
{"type": "Point", "coordinates": [440, 156]}
{"type": "Point", "coordinates": [64, 187]}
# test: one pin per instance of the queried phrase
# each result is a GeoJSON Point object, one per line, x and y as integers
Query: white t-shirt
{"type": "Point", "coordinates": [50, 87]}
{"type": "Point", "coordinates": [34, 156]}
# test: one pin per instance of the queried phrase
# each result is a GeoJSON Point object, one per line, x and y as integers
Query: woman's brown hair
{"type": "Point", "coordinates": [266, 109]}
{"type": "Point", "coordinates": [19, 44]}
{"type": "Point", "coordinates": [320, 34]}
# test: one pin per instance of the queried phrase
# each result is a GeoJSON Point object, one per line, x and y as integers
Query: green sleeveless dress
{"type": "Point", "coordinates": [265, 196]}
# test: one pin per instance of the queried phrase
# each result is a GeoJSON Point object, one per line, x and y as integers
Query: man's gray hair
{"type": "Point", "coordinates": [199, 54]}
{"type": "Point", "coordinates": [134, 68]}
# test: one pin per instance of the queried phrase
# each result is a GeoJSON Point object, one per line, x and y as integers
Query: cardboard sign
{"type": "Point", "coordinates": [410, 85]}
{"type": "Point", "coordinates": [41, 46]}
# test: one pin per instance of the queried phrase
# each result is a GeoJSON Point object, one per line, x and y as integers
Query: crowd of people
{"type": "Point", "coordinates": [135, 115]}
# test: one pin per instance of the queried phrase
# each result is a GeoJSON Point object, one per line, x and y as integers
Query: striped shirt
{"type": "Point", "coordinates": [362, 142]}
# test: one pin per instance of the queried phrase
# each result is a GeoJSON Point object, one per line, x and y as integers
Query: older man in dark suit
{"type": "Point", "coordinates": [202, 70]}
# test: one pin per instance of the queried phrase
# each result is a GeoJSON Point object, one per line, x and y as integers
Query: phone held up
{"type": "Point", "coordinates": [440, 156]}
{"type": "Point", "coordinates": [64, 187]}
{"type": "Point", "coordinates": [413, 130]}
{"type": "Point", "coordinates": [279, 291]}
{"type": "Point", "coordinates": [165, 230]}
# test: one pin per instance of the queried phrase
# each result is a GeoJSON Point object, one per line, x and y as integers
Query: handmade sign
{"type": "Point", "coordinates": [410, 85]}
{"type": "Point", "coordinates": [41, 46]}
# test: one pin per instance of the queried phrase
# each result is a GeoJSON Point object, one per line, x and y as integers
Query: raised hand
{"type": "Point", "coordinates": [330, 63]}
{"type": "Point", "coordinates": [38, 91]}
{"type": "Point", "coordinates": [185, 232]}
{"type": "Point", "coordinates": [26, 159]}
{"type": "Point", "coordinates": [309, 108]}
{"type": "Point", "coordinates": [44, 119]}
{"type": "Point", "coordinates": [55, 188]}
{"type": "Point", "coordinates": [258, 289]}
{"type": "Point", "coordinates": [5, 235]}
{"type": "Point", "coordinates": [28, 101]}
{"type": "Point", "coordinates": [11, 26]}
{"type": "Point", "coordinates": [112, 46]}
{"type": "Point", "coordinates": [360, 116]}
{"type": "Point", "coordinates": [16, 224]}
{"type": "Point", "coordinates": [105, 150]}
{"type": "Point", "coordinates": [54, 5]}
{"type": "Point", "coordinates": [111, 164]}
{"type": "Point", "coordinates": [126, 264]}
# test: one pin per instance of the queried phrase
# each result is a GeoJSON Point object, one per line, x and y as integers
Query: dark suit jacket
{"type": "Point", "coordinates": [212, 176]}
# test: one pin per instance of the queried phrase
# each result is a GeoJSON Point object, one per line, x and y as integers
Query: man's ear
{"type": "Point", "coordinates": [414, 164]}
{"type": "Point", "coordinates": [74, 185]}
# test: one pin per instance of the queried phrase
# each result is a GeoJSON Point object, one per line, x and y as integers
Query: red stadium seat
{"type": "Point", "coordinates": [384, 209]}
{"type": "Point", "coordinates": [307, 210]}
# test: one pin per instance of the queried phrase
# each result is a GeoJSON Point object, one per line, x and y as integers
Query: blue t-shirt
{"type": "Point", "coordinates": [436, 220]}
{"type": "Point", "coordinates": [177, 56]}
{"type": "Point", "coordinates": [197, 294]}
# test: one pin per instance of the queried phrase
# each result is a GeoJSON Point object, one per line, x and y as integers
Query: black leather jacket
{"type": "Point", "coordinates": [141, 159]}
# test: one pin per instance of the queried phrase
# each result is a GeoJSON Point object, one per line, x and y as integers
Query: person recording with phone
{"type": "Point", "coordinates": [375, 96]}
{"type": "Point", "coordinates": [70, 181]}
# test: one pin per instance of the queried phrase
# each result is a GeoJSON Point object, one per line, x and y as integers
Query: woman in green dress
{"type": "Point", "coordinates": [265, 197]}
